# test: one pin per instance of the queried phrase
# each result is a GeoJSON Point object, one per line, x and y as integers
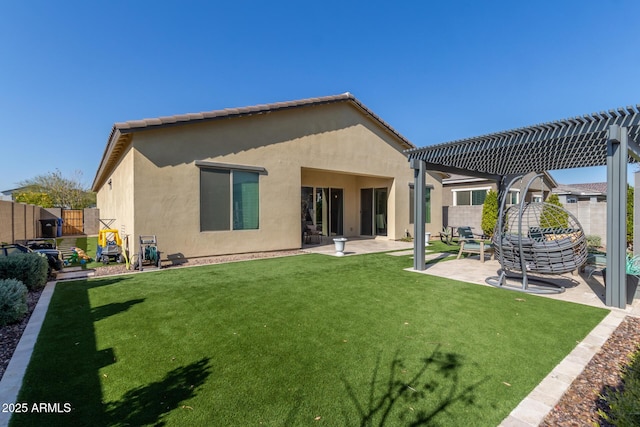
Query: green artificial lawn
{"type": "Point", "coordinates": [302, 340]}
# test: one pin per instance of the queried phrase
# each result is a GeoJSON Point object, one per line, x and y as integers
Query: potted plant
{"type": "Point", "coordinates": [632, 267]}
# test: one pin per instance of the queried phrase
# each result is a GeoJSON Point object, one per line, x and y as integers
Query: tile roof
{"type": "Point", "coordinates": [177, 119]}
{"type": "Point", "coordinates": [584, 189]}
{"type": "Point", "coordinates": [120, 133]}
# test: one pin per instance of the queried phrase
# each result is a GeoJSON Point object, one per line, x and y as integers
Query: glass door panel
{"type": "Point", "coordinates": [366, 211]}
{"type": "Point", "coordinates": [381, 211]}
{"type": "Point", "coordinates": [336, 208]}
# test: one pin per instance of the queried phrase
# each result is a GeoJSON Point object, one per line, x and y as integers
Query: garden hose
{"type": "Point", "coordinates": [125, 253]}
{"type": "Point", "coordinates": [151, 253]}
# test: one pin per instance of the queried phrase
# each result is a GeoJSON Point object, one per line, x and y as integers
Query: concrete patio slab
{"type": "Point", "coordinates": [358, 246]}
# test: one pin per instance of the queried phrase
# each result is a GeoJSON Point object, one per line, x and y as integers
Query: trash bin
{"type": "Point", "coordinates": [48, 227]}
{"type": "Point", "coordinates": [59, 230]}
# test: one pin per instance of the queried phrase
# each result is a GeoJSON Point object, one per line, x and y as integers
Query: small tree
{"type": "Point", "coordinates": [490, 213]}
{"type": "Point", "coordinates": [62, 192]}
{"type": "Point", "coordinates": [34, 198]}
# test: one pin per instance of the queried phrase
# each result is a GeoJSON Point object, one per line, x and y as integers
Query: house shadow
{"type": "Point", "coordinates": [392, 398]}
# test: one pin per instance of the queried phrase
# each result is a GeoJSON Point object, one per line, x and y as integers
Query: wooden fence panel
{"type": "Point", "coordinates": [73, 222]}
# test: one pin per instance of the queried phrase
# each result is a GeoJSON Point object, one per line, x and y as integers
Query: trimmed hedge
{"type": "Point", "coordinates": [13, 301]}
{"type": "Point", "coordinates": [31, 269]}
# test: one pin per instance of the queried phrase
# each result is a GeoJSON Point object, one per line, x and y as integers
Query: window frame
{"type": "Point", "coordinates": [455, 192]}
{"type": "Point", "coordinates": [428, 190]}
{"type": "Point", "coordinates": [204, 166]}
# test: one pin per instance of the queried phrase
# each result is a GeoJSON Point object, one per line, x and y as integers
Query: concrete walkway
{"type": "Point", "coordinates": [530, 412]}
{"type": "Point", "coordinates": [12, 379]}
{"type": "Point", "coordinates": [358, 246]}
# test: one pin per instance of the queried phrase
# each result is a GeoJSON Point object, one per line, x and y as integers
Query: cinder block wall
{"type": "Point", "coordinates": [18, 221]}
{"type": "Point", "coordinates": [458, 216]}
{"type": "Point", "coordinates": [6, 221]}
{"type": "Point", "coordinates": [592, 216]}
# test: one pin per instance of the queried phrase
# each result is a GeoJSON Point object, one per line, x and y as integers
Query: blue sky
{"type": "Point", "coordinates": [436, 71]}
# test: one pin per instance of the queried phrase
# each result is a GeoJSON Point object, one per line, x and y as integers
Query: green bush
{"type": "Point", "coordinates": [13, 301]}
{"type": "Point", "coordinates": [29, 268]}
{"type": "Point", "coordinates": [490, 213]}
{"type": "Point", "coordinates": [593, 242]}
{"type": "Point", "coordinates": [551, 217]}
{"type": "Point", "coordinates": [624, 403]}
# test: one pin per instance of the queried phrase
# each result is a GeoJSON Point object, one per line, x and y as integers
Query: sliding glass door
{"type": "Point", "coordinates": [324, 207]}
{"type": "Point", "coordinates": [373, 211]}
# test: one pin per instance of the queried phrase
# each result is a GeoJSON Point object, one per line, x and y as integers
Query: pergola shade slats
{"type": "Point", "coordinates": [545, 146]}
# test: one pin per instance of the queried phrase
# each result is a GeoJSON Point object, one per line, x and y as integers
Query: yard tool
{"type": "Point", "coordinates": [149, 253]}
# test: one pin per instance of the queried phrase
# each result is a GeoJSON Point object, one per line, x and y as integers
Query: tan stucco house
{"type": "Point", "coordinates": [251, 179]}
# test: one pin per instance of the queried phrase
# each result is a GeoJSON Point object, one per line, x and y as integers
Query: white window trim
{"type": "Point", "coordinates": [455, 191]}
{"type": "Point", "coordinates": [516, 190]}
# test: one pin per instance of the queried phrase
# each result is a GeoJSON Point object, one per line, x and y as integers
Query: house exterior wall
{"type": "Point", "coordinates": [116, 200]}
{"type": "Point", "coordinates": [321, 145]}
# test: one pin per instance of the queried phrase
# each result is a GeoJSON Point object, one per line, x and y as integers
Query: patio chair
{"type": "Point", "coordinates": [595, 261]}
{"type": "Point", "coordinates": [312, 233]}
{"type": "Point", "coordinates": [469, 244]}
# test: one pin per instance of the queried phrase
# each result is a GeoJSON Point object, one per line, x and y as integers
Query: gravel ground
{"type": "Point", "coordinates": [578, 407]}
{"type": "Point", "coordinates": [10, 334]}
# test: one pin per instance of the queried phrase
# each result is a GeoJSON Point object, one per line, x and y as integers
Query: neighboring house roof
{"type": "Point", "coordinates": [459, 179]}
{"type": "Point", "coordinates": [121, 132]}
{"type": "Point", "coordinates": [588, 189]}
{"type": "Point", "coordinates": [454, 178]}
{"type": "Point", "coordinates": [13, 190]}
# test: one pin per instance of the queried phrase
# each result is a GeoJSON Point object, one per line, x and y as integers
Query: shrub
{"type": "Point", "coordinates": [624, 403]}
{"type": "Point", "coordinates": [551, 217]}
{"type": "Point", "coordinates": [490, 213]}
{"type": "Point", "coordinates": [13, 301]}
{"type": "Point", "coordinates": [593, 242]}
{"type": "Point", "coordinates": [29, 268]}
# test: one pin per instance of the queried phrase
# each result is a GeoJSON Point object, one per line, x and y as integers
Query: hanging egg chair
{"type": "Point", "coordinates": [536, 238]}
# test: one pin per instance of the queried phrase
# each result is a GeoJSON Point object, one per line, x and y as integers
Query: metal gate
{"type": "Point", "coordinates": [73, 222]}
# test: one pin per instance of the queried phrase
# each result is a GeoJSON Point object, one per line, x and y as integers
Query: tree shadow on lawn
{"type": "Point", "coordinates": [147, 405]}
{"type": "Point", "coordinates": [436, 385]}
{"type": "Point", "coordinates": [108, 310]}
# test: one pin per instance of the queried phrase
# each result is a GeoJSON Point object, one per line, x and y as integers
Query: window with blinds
{"type": "Point", "coordinates": [229, 200]}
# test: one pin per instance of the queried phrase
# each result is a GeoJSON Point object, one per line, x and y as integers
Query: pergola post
{"type": "Point", "coordinates": [419, 174]}
{"type": "Point", "coordinates": [617, 145]}
{"type": "Point", "coordinates": [636, 213]}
